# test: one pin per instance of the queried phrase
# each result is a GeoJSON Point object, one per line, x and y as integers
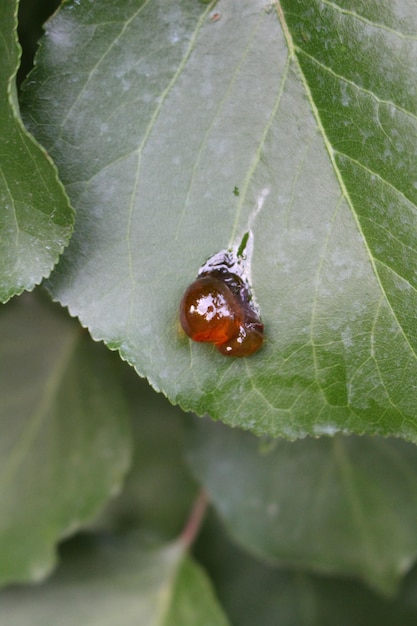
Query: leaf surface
{"type": "Point", "coordinates": [118, 581]}
{"type": "Point", "coordinates": [342, 505]}
{"type": "Point", "coordinates": [252, 591]}
{"type": "Point", "coordinates": [65, 443]}
{"type": "Point", "coordinates": [36, 219]}
{"type": "Point", "coordinates": [176, 130]}
{"type": "Point", "coordinates": [159, 489]}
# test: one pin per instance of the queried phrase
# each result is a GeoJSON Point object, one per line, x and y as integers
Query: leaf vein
{"type": "Point", "coordinates": [367, 21]}
{"type": "Point", "coordinates": [360, 88]}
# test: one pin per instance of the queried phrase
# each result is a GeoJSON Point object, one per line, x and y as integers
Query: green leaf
{"type": "Point", "coordinates": [193, 602]}
{"type": "Point", "coordinates": [36, 219]}
{"type": "Point", "coordinates": [342, 505]}
{"type": "Point", "coordinates": [159, 490]}
{"type": "Point", "coordinates": [253, 592]}
{"type": "Point", "coordinates": [156, 115]}
{"type": "Point", "coordinates": [65, 443]}
{"type": "Point", "coordinates": [118, 581]}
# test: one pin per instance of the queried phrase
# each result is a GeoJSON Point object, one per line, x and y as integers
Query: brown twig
{"type": "Point", "coordinates": [195, 519]}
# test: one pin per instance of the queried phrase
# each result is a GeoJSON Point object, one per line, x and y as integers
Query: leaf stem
{"type": "Point", "coordinates": [195, 519]}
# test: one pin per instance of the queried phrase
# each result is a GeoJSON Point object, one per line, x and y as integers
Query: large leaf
{"type": "Point", "coordinates": [65, 440]}
{"type": "Point", "coordinates": [159, 490]}
{"type": "Point", "coordinates": [253, 592]}
{"type": "Point", "coordinates": [35, 217]}
{"type": "Point", "coordinates": [155, 114]}
{"type": "Point", "coordinates": [118, 581]}
{"type": "Point", "coordinates": [344, 505]}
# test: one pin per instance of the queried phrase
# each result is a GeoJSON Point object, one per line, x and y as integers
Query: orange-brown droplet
{"type": "Point", "coordinates": [209, 311]}
{"type": "Point", "coordinates": [246, 342]}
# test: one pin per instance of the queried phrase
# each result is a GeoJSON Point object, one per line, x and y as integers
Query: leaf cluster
{"type": "Point", "coordinates": [148, 137]}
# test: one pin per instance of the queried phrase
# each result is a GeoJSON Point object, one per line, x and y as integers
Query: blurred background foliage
{"type": "Point", "coordinates": [158, 496]}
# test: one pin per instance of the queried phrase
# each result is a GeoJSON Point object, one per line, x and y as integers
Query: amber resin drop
{"type": "Point", "coordinates": [209, 311]}
{"type": "Point", "coordinates": [218, 307]}
{"type": "Point", "coordinates": [246, 342]}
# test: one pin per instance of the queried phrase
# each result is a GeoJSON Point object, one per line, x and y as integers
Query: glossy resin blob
{"type": "Point", "coordinates": [217, 308]}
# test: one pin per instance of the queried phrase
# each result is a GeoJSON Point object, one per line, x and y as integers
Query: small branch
{"type": "Point", "coordinates": [195, 520]}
